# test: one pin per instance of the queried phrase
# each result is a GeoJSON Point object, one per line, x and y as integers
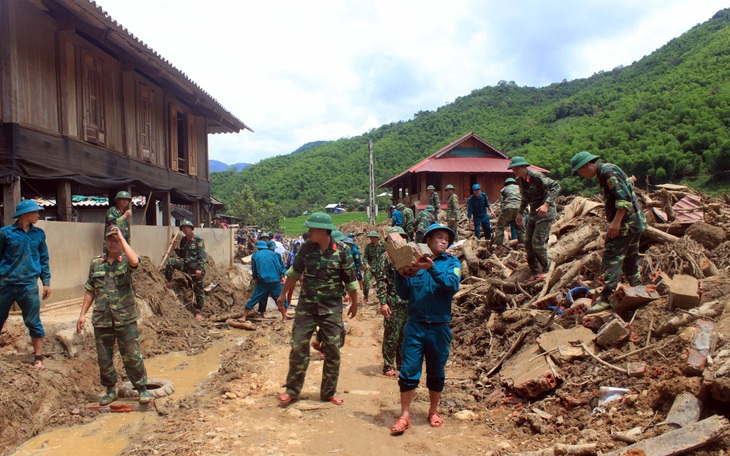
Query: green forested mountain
{"type": "Point", "coordinates": [663, 118]}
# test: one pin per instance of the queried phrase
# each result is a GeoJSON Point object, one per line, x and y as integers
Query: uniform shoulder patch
{"type": "Point", "coordinates": [611, 183]}
{"type": "Point", "coordinates": [457, 272]}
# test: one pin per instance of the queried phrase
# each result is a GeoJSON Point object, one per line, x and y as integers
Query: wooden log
{"type": "Point", "coordinates": [569, 246]}
{"type": "Point", "coordinates": [679, 441]}
{"type": "Point", "coordinates": [707, 310]}
{"type": "Point", "coordinates": [574, 270]}
{"type": "Point", "coordinates": [583, 449]}
{"type": "Point", "coordinates": [656, 235]}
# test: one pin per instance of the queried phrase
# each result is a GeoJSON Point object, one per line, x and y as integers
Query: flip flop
{"type": "Point", "coordinates": [286, 398]}
{"type": "Point", "coordinates": [391, 373]}
{"type": "Point", "coordinates": [336, 400]}
{"type": "Point", "coordinates": [435, 420]}
{"type": "Point", "coordinates": [400, 426]}
{"type": "Point", "coordinates": [38, 362]}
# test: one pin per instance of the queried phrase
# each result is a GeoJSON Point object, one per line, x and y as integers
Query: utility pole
{"type": "Point", "coordinates": [373, 209]}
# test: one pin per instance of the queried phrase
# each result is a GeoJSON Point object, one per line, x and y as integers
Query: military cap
{"type": "Point", "coordinates": [580, 159]}
{"type": "Point", "coordinates": [435, 227]}
{"type": "Point", "coordinates": [123, 195]}
{"type": "Point", "coordinates": [430, 187]}
{"type": "Point", "coordinates": [449, 187]}
{"type": "Point", "coordinates": [374, 234]}
{"type": "Point", "coordinates": [26, 206]}
{"type": "Point", "coordinates": [517, 161]}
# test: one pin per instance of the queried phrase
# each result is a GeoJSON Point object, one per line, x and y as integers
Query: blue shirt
{"type": "Point", "coordinates": [397, 218]}
{"type": "Point", "coordinates": [478, 206]}
{"type": "Point", "coordinates": [429, 293]}
{"type": "Point", "coordinates": [356, 255]}
{"type": "Point", "coordinates": [266, 266]}
{"type": "Point", "coordinates": [23, 256]}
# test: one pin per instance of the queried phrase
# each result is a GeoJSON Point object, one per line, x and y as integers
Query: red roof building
{"type": "Point", "coordinates": [467, 161]}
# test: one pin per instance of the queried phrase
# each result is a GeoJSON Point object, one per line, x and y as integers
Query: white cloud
{"type": "Point", "coordinates": [299, 71]}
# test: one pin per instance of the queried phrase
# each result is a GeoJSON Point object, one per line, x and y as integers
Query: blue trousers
{"type": "Point", "coordinates": [482, 221]}
{"type": "Point", "coordinates": [26, 295]}
{"type": "Point", "coordinates": [261, 295]}
{"type": "Point", "coordinates": [429, 341]}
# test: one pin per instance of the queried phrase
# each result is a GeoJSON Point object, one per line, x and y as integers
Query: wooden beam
{"type": "Point", "coordinates": [64, 208]}
{"type": "Point", "coordinates": [11, 198]}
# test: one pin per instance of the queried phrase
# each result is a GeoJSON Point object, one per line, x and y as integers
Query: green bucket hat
{"type": "Point", "coordinates": [517, 161]}
{"type": "Point", "coordinates": [449, 187]}
{"type": "Point", "coordinates": [320, 220]}
{"type": "Point", "coordinates": [430, 187]}
{"type": "Point", "coordinates": [580, 159]}
{"type": "Point", "coordinates": [373, 234]}
{"type": "Point", "coordinates": [123, 194]}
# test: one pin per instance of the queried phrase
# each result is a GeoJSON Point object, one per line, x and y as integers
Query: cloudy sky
{"type": "Point", "coordinates": [297, 71]}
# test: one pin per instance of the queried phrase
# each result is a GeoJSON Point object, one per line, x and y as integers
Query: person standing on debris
{"type": "Point", "coordinates": [371, 261]}
{"type": "Point", "coordinates": [434, 200]}
{"type": "Point", "coordinates": [452, 211]}
{"type": "Point", "coordinates": [477, 208]}
{"type": "Point", "coordinates": [424, 219]}
{"type": "Point", "coordinates": [328, 270]}
{"type": "Point", "coordinates": [394, 311]}
{"type": "Point", "coordinates": [121, 215]}
{"type": "Point", "coordinates": [109, 288]}
{"type": "Point", "coordinates": [397, 216]}
{"type": "Point", "coordinates": [191, 261]}
{"type": "Point", "coordinates": [23, 260]}
{"type": "Point", "coordinates": [408, 220]}
{"type": "Point", "coordinates": [539, 193]}
{"type": "Point", "coordinates": [429, 286]}
{"type": "Point", "coordinates": [626, 222]}
{"type": "Point", "coordinates": [267, 271]}
{"type": "Point", "coordinates": [511, 199]}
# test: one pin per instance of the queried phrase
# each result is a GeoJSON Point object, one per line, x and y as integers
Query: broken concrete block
{"type": "Point", "coordinates": [637, 369]}
{"type": "Point", "coordinates": [717, 376]}
{"type": "Point", "coordinates": [558, 343]}
{"type": "Point", "coordinates": [684, 292]}
{"type": "Point", "coordinates": [595, 321]}
{"type": "Point", "coordinates": [529, 374]}
{"type": "Point", "coordinates": [685, 410]}
{"type": "Point", "coordinates": [662, 283]}
{"type": "Point", "coordinates": [628, 298]}
{"type": "Point", "coordinates": [613, 333]}
{"type": "Point", "coordinates": [700, 349]}
{"type": "Point", "coordinates": [403, 253]}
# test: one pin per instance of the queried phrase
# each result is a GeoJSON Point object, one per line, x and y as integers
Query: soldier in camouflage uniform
{"type": "Point", "coordinates": [452, 211]}
{"type": "Point", "coordinates": [191, 260]}
{"type": "Point", "coordinates": [120, 215]}
{"type": "Point", "coordinates": [424, 219]}
{"type": "Point", "coordinates": [371, 260]}
{"type": "Point", "coordinates": [408, 220]}
{"type": "Point", "coordinates": [328, 270]}
{"type": "Point", "coordinates": [539, 193]}
{"type": "Point", "coordinates": [511, 199]}
{"type": "Point", "coordinates": [109, 288]}
{"type": "Point", "coordinates": [626, 223]}
{"type": "Point", "coordinates": [394, 310]}
{"type": "Point", "coordinates": [434, 200]}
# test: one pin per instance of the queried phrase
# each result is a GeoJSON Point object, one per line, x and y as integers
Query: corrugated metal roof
{"type": "Point", "coordinates": [138, 201]}
{"type": "Point", "coordinates": [688, 210]}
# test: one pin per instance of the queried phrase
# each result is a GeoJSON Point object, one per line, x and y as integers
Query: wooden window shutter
{"type": "Point", "coordinates": [145, 127]}
{"type": "Point", "coordinates": [92, 98]}
{"type": "Point", "coordinates": [192, 146]}
{"type": "Point", "coordinates": [172, 127]}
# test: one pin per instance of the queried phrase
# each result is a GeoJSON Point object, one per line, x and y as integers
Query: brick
{"type": "Point", "coordinates": [684, 292]}
{"type": "Point", "coordinates": [613, 333]}
{"type": "Point", "coordinates": [559, 343]}
{"type": "Point", "coordinates": [628, 298]}
{"type": "Point", "coordinates": [528, 374]}
{"type": "Point", "coordinates": [403, 253]}
{"type": "Point", "coordinates": [701, 346]}
{"type": "Point", "coordinates": [637, 369]}
{"type": "Point", "coordinates": [595, 321]}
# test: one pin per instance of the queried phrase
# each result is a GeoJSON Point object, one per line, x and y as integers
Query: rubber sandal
{"type": "Point", "coordinates": [391, 373]}
{"type": "Point", "coordinates": [400, 426]}
{"type": "Point", "coordinates": [286, 398]}
{"type": "Point", "coordinates": [435, 420]}
{"type": "Point", "coordinates": [336, 400]}
{"type": "Point", "coordinates": [38, 362]}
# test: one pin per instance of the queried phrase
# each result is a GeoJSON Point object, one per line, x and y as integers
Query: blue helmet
{"type": "Point", "coordinates": [438, 226]}
{"type": "Point", "coordinates": [476, 187]}
{"type": "Point", "coordinates": [271, 245]}
{"type": "Point", "coordinates": [26, 206]}
{"type": "Point", "coordinates": [261, 245]}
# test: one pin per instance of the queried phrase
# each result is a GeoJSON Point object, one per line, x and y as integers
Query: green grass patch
{"type": "Point", "coordinates": [294, 226]}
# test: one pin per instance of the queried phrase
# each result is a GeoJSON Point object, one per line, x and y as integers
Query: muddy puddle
{"type": "Point", "coordinates": [110, 433]}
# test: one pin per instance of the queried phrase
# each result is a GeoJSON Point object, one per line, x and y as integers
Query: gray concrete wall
{"type": "Point", "coordinates": [71, 246]}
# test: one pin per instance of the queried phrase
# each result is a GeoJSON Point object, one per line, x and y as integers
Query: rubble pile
{"type": "Point", "coordinates": [611, 382]}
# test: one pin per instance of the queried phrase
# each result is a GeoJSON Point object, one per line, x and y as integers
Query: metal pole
{"type": "Point", "coordinates": [372, 186]}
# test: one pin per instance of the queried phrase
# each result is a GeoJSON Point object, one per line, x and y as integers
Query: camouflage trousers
{"type": "Point", "coordinates": [367, 279]}
{"type": "Point", "coordinates": [330, 333]}
{"type": "Point", "coordinates": [409, 232]}
{"type": "Point", "coordinates": [508, 217]}
{"type": "Point", "coordinates": [127, 337]}
{"type": "Point", "coordinates": [454, 225]}
{"type": "Point", "coordinates": [536, 239]}
{"type": "Point", "coordinates": [198, 286]}
{"type": "Point", "coordinates": [393, 336]}
{"type": "Point", "coordinates": [620, 254]}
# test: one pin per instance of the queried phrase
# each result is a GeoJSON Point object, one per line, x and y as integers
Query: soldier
{"type": "Point", "coordinates": [267, 271]}
{"type": "Point", "coordinates": [434, 200]}
{"type": "Point", "coordinates": [120, 215]}
{"type": "Point", "coordinates": [115, 315]}
{"type": "Point", "coordinates": [24, 259]}
{"type": "Point", "coordinates": [511, 199]}
{"type": "Point", "coordinates": [539, 192]}
{"type": "Point", "coordinates": [424, 219]}
{"type": "Point", "coordinates": [328, 269]}
{"type": "Point", "coordinates": [429, 285]}
{"type": "Point", "coordinates": [191, 260]}
{"type": "Point", "coordinates": [371, 260]}
{"type": "Point", "coordinates": [408, 220]}
{"type": "Point", "coordinates": [394, 310]}
{"type": "Point", "coordinates": [626, 223]}
{"type": "Point", "coordinates": [477, 207]}
{"type": "Point", "coordinates": [355, 250]}
{"type": "Point", "coordinates": [452, 211]}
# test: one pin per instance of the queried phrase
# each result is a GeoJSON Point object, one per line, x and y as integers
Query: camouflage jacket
{"type": "Point", "coordinates": [408, 219]}
{"type": "Point", "coordinates": [435, 201]}
{"type": "Point", "coordinates": [511, 196]}
{"type": "Point", "coordinates": [424, 219]}
{"type": "Point", "coordinates": [387, 294]}
{"type": "Point", "coordinates": [619, 193]}
{"type": "Point", "coordinates": [452, 208]}
{"type": "Point", "coordinates": [114, 217]}
{"type": "Point", "coordinates": [326, 277]}
{"type": "Point", "coordinates": [111, 284]}
{"type": "Point", "coordinates": [537, 189]}
{"type": "Point", "coordinates": [372, 258]}
{"type": "Point", "coordinates": [192, 252]}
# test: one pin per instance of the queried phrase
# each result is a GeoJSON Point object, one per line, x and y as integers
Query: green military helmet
{"type": "Point", "coordinates": [396, 229]}
{"type": "Point", "coordinates": [320, 220]}
{"type": "Point", "coordinates": [429, 208]}
{"type": "Point", "coordinates": [186, 222]}
{"type": "Point", "coordinates": [338, 235]}
{"type": "Point", "coordinates": [580, 159]}
{"type": "Point", "coordinates": [509, 180]}
{"type": "Point", "coordinates": [449, 187]}
{"type": "Point", "coordinates": [123, 195]}
{"type": "Point", "coordinates": [430, 187]}
{"type": "Point", "coordinates": [517, 161]}
{"type": "Point", "coordinates": [373, 234]}
{"type": "Point", "coordinates": [400, 206]}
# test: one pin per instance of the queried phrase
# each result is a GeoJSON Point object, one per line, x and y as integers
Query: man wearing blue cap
{"type": "Point", "coordinates": [267, 270]}
{"type": "Point", "coordinates": [477, 207]}
{"type": "Point", "coordinates": [24, 259]}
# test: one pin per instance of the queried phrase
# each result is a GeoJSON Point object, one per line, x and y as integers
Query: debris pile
{"type": "Point", "coordinates": [599, 382]}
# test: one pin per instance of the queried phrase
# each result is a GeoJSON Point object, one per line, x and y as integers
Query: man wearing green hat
{"type": "Point", "coordinates": [328, 270]}
{"type": "Point", "coordinates": [121, 215]}
{"type": "Point", "coordinates": [539, 193]}
{"type": "Point", "coordinates": [371, 261]}
{"type": "Point", "coordinates": [626, 222]}
{"type": "Point", "coordinates": [23, 260]}
{"type": "Point", "coordinates": [191, 260]}
{"type": "Point", "coordinates": [452, 211]}
{"type": "Point", "coordinates": [408, 219]}
{"type": "Point", "coordinates": [434, 200]}
{"type": "Point", "coordinates": [394, 311]}
{"type": "Point", "coordinates": [511, 199]}
{"type": "Point", "coordinates": [424, 219]}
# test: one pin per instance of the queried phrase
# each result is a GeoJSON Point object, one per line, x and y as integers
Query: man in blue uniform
{"type": "Point", "coordinates": [267, 271]}
{"type": "Point", "coordinates": [478, 205]}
